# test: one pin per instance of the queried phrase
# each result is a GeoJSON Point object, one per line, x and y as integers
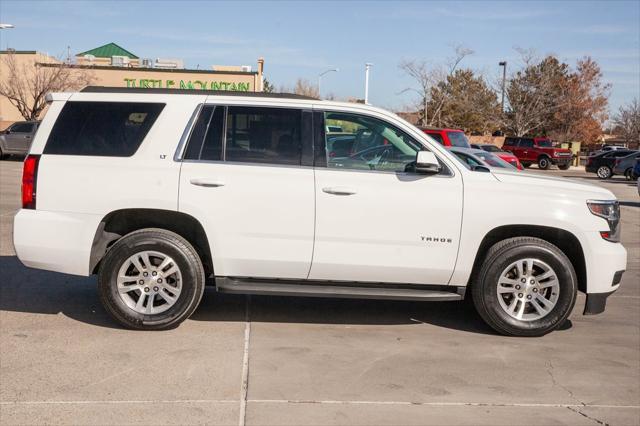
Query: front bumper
{"type": "Point", "coordinates": [561, 160]}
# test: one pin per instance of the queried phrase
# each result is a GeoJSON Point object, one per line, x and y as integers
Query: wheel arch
{"type": "Point", "coordinates": [567, 242]}
{"type": "Point", "coordinates": [119, 223]}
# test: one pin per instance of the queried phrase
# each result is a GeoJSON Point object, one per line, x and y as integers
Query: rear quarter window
{"type": "Point", "coordinates": [109, 129]}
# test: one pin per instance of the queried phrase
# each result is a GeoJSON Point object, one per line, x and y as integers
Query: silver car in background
{"type": "Point", "coordinates": [16, 139]}
{"type": "Point", "coordinates": [472, 158]}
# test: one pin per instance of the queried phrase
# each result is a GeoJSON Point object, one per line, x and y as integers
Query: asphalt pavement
{"type": "Point", "coordinates": [275, 360]}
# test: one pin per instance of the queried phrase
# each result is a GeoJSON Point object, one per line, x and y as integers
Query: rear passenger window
{"type": "Point", "coordinates": [526, 143]}
{"type": "Point", "coordinates": [113, 129]}
{"type": "Point", "coordinates": [264, 135]}
{"type": "Point", "coordinates": [205, 142]}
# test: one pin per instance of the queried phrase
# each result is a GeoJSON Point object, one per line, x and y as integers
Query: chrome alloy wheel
{"type": "Point", "coordinates": [149, 282]}
{"type": "Point", "coordinates": [603, 172]}
{"type": "Point", "coordinates": [528, 289]}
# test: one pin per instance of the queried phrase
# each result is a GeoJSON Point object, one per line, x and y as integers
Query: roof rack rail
{"type": "Point", "coordinates": [105, 89]}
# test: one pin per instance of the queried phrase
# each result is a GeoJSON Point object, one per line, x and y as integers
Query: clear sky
{"type": "Point", "coordinates": [302, 39]}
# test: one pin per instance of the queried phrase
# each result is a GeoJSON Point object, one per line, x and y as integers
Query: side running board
{"type": "Point", "coordinates": [339, 290]}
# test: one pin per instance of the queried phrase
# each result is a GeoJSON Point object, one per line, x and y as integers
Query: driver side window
{"type": "Point", "coordinates": [367, 143]}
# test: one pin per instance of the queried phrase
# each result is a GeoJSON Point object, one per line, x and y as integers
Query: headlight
{"type": "Point", "coordinates": [610, 211]}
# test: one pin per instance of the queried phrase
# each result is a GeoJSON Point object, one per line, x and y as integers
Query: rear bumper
{"type": "Point", "coordinates": [55, 241]}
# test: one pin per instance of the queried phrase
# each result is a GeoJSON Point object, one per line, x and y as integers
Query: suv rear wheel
{"type": "Point", "coordinates": [544, 163]}
{"type": "Point", "coordinates": [526, 287]}
{"type": "Point", "coordinates": [151, 279]}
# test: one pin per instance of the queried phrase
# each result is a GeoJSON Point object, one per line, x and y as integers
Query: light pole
{"type": "Point", "coordinates": [6, 26]}
{"type": "Point", "coordinates": [503, 64]}
{"type": "Point", "coordinates": [320, 78]}
{"type": "Point", "coordinates": [367, 67]}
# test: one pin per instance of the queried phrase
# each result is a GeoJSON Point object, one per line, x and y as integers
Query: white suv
{"type": "Point", "coordinates": [160, 192]}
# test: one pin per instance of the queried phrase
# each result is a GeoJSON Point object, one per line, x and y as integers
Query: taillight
{"type": "Point", "coordinates": [29, 180]}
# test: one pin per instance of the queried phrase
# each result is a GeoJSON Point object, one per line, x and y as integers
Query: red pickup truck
{"type": "Point", "coordinates": [538, 150]}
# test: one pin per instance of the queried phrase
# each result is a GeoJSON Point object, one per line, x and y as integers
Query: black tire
{"type": "Point", "coordinates": [604, 172]}
{"type": "Point", "coordinates": [526, 165]}
{"type": "Point", "coordinates": [564, 166]}
{"type": "Point", "coordinates": [544, 163]}
{"type": "Point", "coordinates": [167, 243]}
{"type": "Point", "coordinates": [500, 256]}
{"type": "Point", "coordinates": [628, 174]}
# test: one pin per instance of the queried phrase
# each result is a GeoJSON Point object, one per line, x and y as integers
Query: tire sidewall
{"type": "Point", "coordinates": [543, 163]}
{"type": "Point", "coordinates": [559, 313]}
{"type": "Point", "coordinates": [192, 281]}
{"type": "Point", "coordinates": [607, 174]}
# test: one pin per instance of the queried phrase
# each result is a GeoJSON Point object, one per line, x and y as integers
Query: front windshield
{"type": "Point", "coordinates": [458, 139]}
{"type": "Point", "coordinates": [545, 143]}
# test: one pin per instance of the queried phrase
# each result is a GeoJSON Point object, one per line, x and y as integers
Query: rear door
{"type": "Point", "coordinates": [245, 175]}
{"type": "Point", "coordinates": [527, 150]}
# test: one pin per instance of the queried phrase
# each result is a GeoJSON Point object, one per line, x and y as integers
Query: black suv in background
{"type": "Point", "coordinates": [602, 163]}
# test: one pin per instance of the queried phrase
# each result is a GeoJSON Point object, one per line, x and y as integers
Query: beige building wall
{"type": "Point", "coordinates": [137, 77]}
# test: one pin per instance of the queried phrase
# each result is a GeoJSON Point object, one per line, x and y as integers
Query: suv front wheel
{"type": "Point", "coordinates": [526, 287]}
{"type": "Point", "coordinates": [544, 163]}
{"type": "Point", "coordinates": [151, 279]}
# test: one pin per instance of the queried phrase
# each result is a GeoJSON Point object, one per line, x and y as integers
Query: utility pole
{"type": "Point", "coordinates": [320, 78]}
{"type": "Point", "coordinates": [367, 67]}
{"type": "Point", "coordinates": [503, 64]}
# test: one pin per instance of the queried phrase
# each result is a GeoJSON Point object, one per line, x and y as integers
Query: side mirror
{"type": "Point", "coordinates": [427, 163]}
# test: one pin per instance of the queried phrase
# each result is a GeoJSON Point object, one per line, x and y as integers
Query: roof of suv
{"type": "Point", "coordinates": [104, 89]}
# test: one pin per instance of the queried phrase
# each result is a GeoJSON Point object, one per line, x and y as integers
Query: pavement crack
{"type": "Point", "coordinates": [244, 388]}
{"type": "Point", "coordinates": [560, 385]}
{"type": "Point", "coordinates": [577, 411]}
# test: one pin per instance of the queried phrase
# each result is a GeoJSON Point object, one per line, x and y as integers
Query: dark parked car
{"type": "Point", "coordinates": [624, 166]}
{"type": "Point", "coordinates": [16, 139]}
{"type": "Point", "coordinates": [602, 163]}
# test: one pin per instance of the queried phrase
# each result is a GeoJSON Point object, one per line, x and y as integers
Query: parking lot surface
{"type": "Point", "coordinates": [271, 360]}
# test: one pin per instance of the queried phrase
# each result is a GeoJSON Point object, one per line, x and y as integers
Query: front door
{"type": "Point", "coordinates": [242, 177]}
{"type": "Point", "coordinates": [376, 222]}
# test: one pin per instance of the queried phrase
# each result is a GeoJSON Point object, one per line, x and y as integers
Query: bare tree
{"type": "Point", "coordinates": [26, 85]}
{"type": "Point", "coordinates": [627, 121]}
{"type": "Point", "coordinates": [302, 87]}
{"type": "Point", "coordinates": [533, 94]}
{"type": "Point", "coordinates": [427, 76]}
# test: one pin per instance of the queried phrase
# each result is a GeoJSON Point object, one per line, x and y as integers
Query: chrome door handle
{"type": "Point", "coordinates": [339, 190]}
{"type": "Point", "coordinates": [207, 183]}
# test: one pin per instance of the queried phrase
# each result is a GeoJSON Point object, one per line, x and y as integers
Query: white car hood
{"type": "Point", "coordinates": [559, 186]}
